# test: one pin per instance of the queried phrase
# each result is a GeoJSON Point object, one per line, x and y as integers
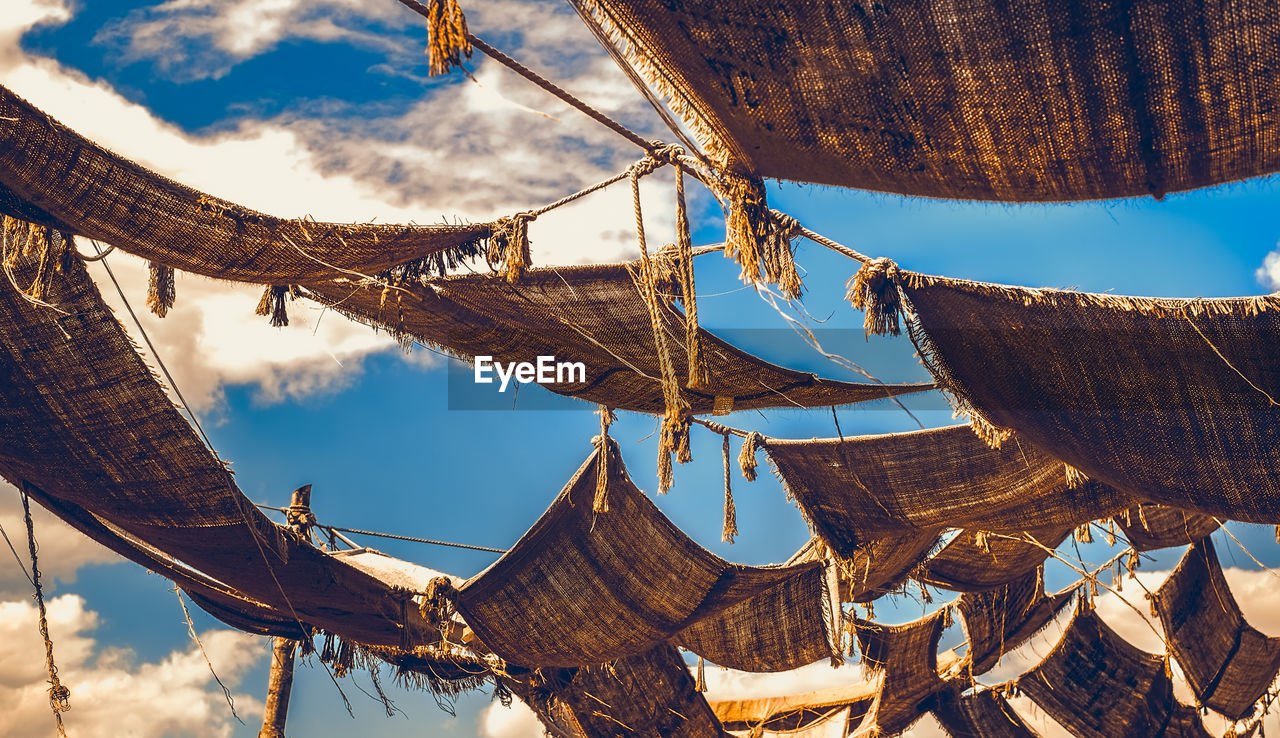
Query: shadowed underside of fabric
{"type": "Point", "coordinates": [964, 566]}
{"type": "Point", "coordinates": [1149, 527]}
{"type": "Point", "coordinates": [1030, 100]}
{"type": "Point", "coordinates": [83, 419]}
{"type": "Point", "coordinates": [999, 620]}
{"type": "Point", "coordinates": [906, 659]}
{"type": "Point", "coordinates": [648, 694]}
{"type": "Point", "coordinates": [981, 714]}
{"type": "Point", "coordinates": [832, 724]}
{"type": "Point", "coordinates": [595, 315]}
{"type": "Point", "coordinates": [1098, 686]}
{"type": "Point", "coordinates": [858, 489]}
{"type": "Point", "coordinates": [1227, 662]}
{"type": "Point", "coordinates": [1169, 400]}
{"type": "Point", "coordinates": [51, 175]}
{"type": "Point", "coordinates": [582, 588]}
{"type": "Point", "coordinates": [792, 712]}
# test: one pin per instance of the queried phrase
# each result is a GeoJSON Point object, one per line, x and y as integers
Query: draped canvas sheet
{"type": "Point", "coordinates": [1227, 662]}
{"type": "Point", "coordinates": [746, 636]}
{"type": "Point", "coordinates": [1165, 399]}
{"type": "Point", "coordinates": [1098, 686]}
{"type": "Point", "coordinates": [964, 566]}
{"type": "Point", "coordinates": [905, 657]}
{"type": "Point", "coordinates": [592, 314]}
{"type": "Point", "coordinates": [980, 714]}
{"type": "Point", "coordinates": [865, 487]}
{"type": "Point", "coordinates": [834, 724]}
{"type": "Point", "coordinates": [582, 588]}
{"type": "Point", "coordinates": [1028, 100]}
{"type": "Point", "coordinates": [1001, 619]}
{"type": "Point", "coordinates": [82, 419]}
{"type": "Point", "coordinates": [1150, 527]}
{"type": "Point", "coordinates": [51, 175]}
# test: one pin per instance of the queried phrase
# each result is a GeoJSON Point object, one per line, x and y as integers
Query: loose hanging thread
{"type": "Point", "coordinates": [730, 531]}
{"type": "Point", "coordinates": [273, 303]}
{"type": "Point", "coordinates": [59, 696]}
{"type": "Point", "coordinates": [601, 502]}
{"type": "Point", "coordinates": [161, 290]}
{"type": "Point", "coordinates": [447, 41]}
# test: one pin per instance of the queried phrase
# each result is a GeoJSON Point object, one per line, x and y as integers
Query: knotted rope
{"type": "Point", "coordinates": [59, 696]}
{"type": "Point", "coordinates": [601, 502]}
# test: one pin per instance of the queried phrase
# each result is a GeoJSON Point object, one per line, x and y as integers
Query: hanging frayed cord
{"type": "Point", "coordinates": [50, 250]}
{"type": "Point", "coordinates": [1084, 533]}
{"type": "Point", "coordinates": [779, 248]}
{"type": "Point", "coordinates": [447, 37]}
{"type": "Point", "coordinates": [747, 458]}
{"type": "Point", "coordinates": [673, 436]}
{"type": "Point", "coordinates": [273, 303]}
{"type": "Point", "coordinates": [509, 245]}
{"type": "Point", "coordinates": [688, 294]}
{"type": "Point", "coordinates": [1075, 477]}
{"type": "Point", "coordinates": [874, 290]}
{"type": "Point", "coordinates": [161, 290]}
{"type": "Point", "coordinates": [760, 239]}
{"type": "Point", "coordinates": [700, 683]}
{"type": "Point", "coordinates": [730, 510]}
{"type": "Point", "coordinates": [601, 502]}
{"type": "Point", "coordinates": [59, 696]}
{"type": "Point", "coordinates": [437, 605]}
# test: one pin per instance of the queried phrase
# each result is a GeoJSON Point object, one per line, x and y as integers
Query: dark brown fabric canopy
{"type": "Point", "coordinates": [1227, 662]}
{"type": "Point", "coordinates": [1001, 619]}
{"type": "Point", "coordinates": [980, 714]}
{"type": "Point", "coordinates": [582, 588]}
{"type": "Point", "coordinates": [1168, 400]}
{"type": "Point", "coordinates": [965, 566]}
{"type": "Point", "coordinates": [83, 420]}
{"type": "Point", "coordinates": [592, 314]}
{"type": "Point", "coordinates": [1098, 686]}
{"type": "Point", "coordinates": [1150, 527]}
{"type": "Point", "coordinates": [51, 175]}
{"type": "Point", "coordinates": [906, 659]}
{"type": "Point", "coordinates": [1029, 100]}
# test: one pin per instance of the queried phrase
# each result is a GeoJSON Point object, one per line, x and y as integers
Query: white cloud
{"type": "Point", "coordinates": [470, 151]}
{"type": "Point", "coordinates": [112, 694]}
{"type": "Point", "coordinates": [517, 721]}
{"type": "Point", "coordinates": [1269, 273]}
{"type": "Point", "coordinates": [63, 550]}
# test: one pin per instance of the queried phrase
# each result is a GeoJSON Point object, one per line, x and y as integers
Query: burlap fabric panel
{"type": "Point", "coordinates": [581, 588]}
{"type": "Point", "coordinates": [1149, 527]}
{"type": "Point", "coordinates": [964, 565]}
{"type": "Point", "coordinates": [1001, 619]}
{"type": "Point", "coordinates": [60, 179]}
{"type": "Point", "coordinates": [979, 714]}
{"type": "Point", "coordinates": [905, 657]}
{"type": "Point", "coordinates": [1227, 662]}
{"type": "Point", "coordinates": [1031, 100]}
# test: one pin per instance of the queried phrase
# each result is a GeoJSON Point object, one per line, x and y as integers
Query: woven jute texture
{"type": "Point", "coordinates": [581, 588]}
{"type": "Point", "coordinates": [905, 657]}
{"type": "Point", "coordinates": [83, 420]}
{"type": "Point", "coordinates": [857, 489]}
{"type": "Point", "coordinates": [1149, 527]}
{"type": "Point", "coordinates": [965, 566]}
{"type": "Point", "coordinates": [1227, 662]}
{"type": "Point", "coordinates": [1169, 400]}
{"type": "Point", "coordinates": [53, 176]}
{"type": "Point", "coordinates": [595, 315]}
{"type": "Point", "coordinates": [1021, 100]}
{"type": "Point", "coordinates": [1001, 619]}
{"type": "Point", "coordinates": [1098, 686]}
{"type": "Point", "coordinates": [980, 714]}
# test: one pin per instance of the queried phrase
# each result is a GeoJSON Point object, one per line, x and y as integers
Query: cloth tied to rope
{"type": "Point", "coordinates": [874, 290]}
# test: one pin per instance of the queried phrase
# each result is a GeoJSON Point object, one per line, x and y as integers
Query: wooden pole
{"type": "Point", "coordinates": [280, 681]}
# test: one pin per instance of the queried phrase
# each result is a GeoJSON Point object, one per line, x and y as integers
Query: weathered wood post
{"type": "Point", "coordinates": [280, 682]}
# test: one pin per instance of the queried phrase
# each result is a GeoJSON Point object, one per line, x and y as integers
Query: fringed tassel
{"type": "Point", "coordinates": [688, 293]}
{"type": "Point", "coordinates": [437, 606]}
{"type": "Point", "coordinates": [327, 652]}
{"type": "Point", "coordinates": [273, 303]}
{"type": "Point", "coordinates": [1111, 531]}
{"type": "Point", "coordinates": [344, 658]}
{"type": "Point", "coordinates": [874, 290]}
{"type": "Point", "coordinates": [447, 41]}
{"type": "Point", "coordinates": [601, 502]}
{"type": "Point", "coordinates": [161, 290]}
{"type": "Point", "coordinates": [730, 531]}
{"type": "Point", "coordinates": [982, 539]}
{"type": "Point", "coordinates": [760, 239]}
{"type": "Point", "coordinates": [700, 682]}
{"type": "Point", "coordinates": [673, 439]}
{"type": "Point", "coordinates": [747, 457]}
{"type": "Point", "coordinates": [1075, 477]}
{"type": "Point", "coordinates": [50, 250]}
{"type": "Point", "coordinates": [509, 245]}
{"type": "Point", "coordinates": [1084, 534]}
{"type": "Point", "coordinates": [779, 253]}
{"type": "Point", "coordinates": [1154, 600]}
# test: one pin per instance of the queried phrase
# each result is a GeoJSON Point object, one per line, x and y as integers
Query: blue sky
{"type": "Point", "coordinates": [324, 108]}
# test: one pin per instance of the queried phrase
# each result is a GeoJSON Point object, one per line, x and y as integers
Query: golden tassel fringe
{"type": "Point", "coordinates": [1084, 534]}
{"type": "Point", "coordinates": [273, 303]}
{"type": "Point", "coordinates": [700, 683]}
{"type": "Point", "coordinates": [1075, 477]}
{"type": "Point", "coordinates": [747, 458]}
{"type": "Point", "coordinates": [874, 290]}
{"type": "Point", "coordinates": [161, 290]}
{"type": "Point", "coordinates": [447, 41]}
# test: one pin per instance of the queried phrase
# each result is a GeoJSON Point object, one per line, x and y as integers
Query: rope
{"type": "Point", "coordinates": [837, 247]}
{"type": "Point", "coordinates": [58, 694]}
{"type": "Point", "coordinates": [16, 557]}
{"type": "Point", "coordinates": [375, 534]}
{"type": "Point", "coordinates": [191, 629]}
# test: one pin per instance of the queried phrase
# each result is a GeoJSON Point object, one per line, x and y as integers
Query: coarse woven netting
{"type": "Point", "coordinates": [1026, 100]}
{"type": "Point", "coordinates": [592, 314]}
{"type": "Point", "coordinates": [581, 588]}
{"type": "Point", "coordinates": [51, 175]}
{"type": "Point", "coordinates": [1227, 662]}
